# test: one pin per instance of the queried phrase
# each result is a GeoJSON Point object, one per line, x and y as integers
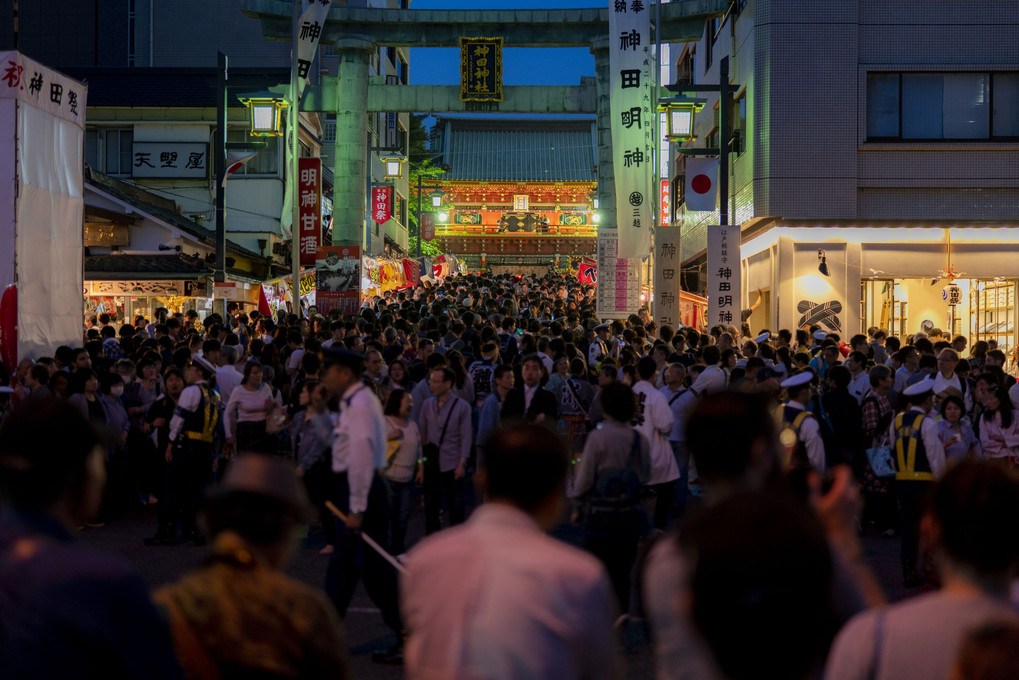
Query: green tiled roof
{"type": "Point", "coordinates": [518, 150]}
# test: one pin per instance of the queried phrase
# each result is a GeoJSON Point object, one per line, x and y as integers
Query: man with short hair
{"type": "Point", "coordinates": [228, 378]}
{"type": "Point", "coordinates": [859, 383]}
{"type": "Point", "coordinates": [445, 425]}
{"type": "Point", "coordinates": [490, 414]}
{"type": "Point", "coordinates": [529, 402]}
{"type": "Point", "coordinates": [653, 419]}
{"type": "Point", "coordinates": [358, 454]}
{"type": "Point", "coordinates": [496, 597]}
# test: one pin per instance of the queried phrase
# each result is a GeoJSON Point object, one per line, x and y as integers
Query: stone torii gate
{"type": "Point", "coordinates": [356, 32]}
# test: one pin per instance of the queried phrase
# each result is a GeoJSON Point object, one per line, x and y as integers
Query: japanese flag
{"type": "Point", "coordinates": [701, 178]}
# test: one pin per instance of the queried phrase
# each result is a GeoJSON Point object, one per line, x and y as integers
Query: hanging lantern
{"type": "Point", "coordinates": [952, 294]}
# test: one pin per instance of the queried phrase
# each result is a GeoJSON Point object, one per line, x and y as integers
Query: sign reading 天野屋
{"type": "Point", "coordinates": [481, 69]}
{"type": "Point", "coordinates": [633, 118]}
{"type": "Point", "coordinates": [170, 159]}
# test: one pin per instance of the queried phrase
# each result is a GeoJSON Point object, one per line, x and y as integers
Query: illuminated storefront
{"type": "Point", "coordinates": [847, 277]}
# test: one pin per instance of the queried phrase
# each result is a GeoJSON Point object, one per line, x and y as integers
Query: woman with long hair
{"type": "Point", "coordinates": [999, 428]}
{"type": "Point", "coordinates": [402, 467]}
{"type": "Point", "coordinates": [314, 458]}
{"type": "Point", "coordinates": [462, 387]}
{"type": "Point", "coordinates": [247, 413]}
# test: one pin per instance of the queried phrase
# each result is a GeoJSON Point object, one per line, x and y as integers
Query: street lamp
{"type": "Point", "coordinates": [436, 197]}
{"type": "Point", "coordinates": [679, 113]}
{"type": "Point", "coordinates": [394, 166]}
{"type": "Point", "coordinates": [443, 216]}
{"type": "Point", "coordinates": [266, 112]}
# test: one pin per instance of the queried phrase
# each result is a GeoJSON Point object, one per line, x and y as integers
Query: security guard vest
{"type": "Point", "coordinates": [200, 424]}
{"type": "Point", "coordinates": [910, 453]}
{"type": "Point", "coordinates": [790, 420]}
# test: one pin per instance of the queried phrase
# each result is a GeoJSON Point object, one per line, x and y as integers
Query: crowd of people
{"type": "Point", "coordinates": [722, 480]}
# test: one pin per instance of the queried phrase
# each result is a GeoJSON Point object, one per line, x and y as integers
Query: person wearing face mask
{"type": "Point", "coordinates": [157, 422]}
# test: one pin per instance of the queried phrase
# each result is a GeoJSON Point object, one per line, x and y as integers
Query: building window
{"type": "Point", "coordinates": [108, 150]}
{"type": "Point", "coordinates": [948, 106]}
{"type": "Point", "coordinates": [738, 126]}
{"type": "Point", "coordinates": [266, 162]}
{"type": "Point", "coordinates": [711, 31]}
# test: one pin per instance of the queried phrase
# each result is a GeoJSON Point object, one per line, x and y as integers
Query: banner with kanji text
{"type": "Point", "coordinates": [724, 275]}
{"type": "Point", "coordinates": [382, 204]}
{"type": "Point", "coordinates": [633, 116]}
{"type": "Point", "coordinates": [309, 196]}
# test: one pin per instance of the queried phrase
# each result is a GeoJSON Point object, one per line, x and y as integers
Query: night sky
{"type": "Point", "coordinates": [521, 66]}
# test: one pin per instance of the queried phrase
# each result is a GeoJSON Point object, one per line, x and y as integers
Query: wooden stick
{"type": "Point", "coordinates": [369, 540]}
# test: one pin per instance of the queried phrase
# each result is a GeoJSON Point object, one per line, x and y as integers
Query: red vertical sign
{"type": "Point", "coordinates": [427, 226]}
{"type": "Point", "coordinates": [382, 204]}
{"type": "Point", "coordinates": [666, 203]}
{"type": "Point", "coordinates": [309, 196]}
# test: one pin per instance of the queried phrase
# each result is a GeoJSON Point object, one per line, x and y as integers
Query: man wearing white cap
{"type": "Point", "coordinates": [599, 347]}
{"type": "Point", "coordinates": [807, 448]}
{"type": "Point", "coordinates": [919, 459]}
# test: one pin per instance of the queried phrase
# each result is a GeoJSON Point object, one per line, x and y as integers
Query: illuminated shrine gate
{"type": "Point", "coordinates": [355, 34]}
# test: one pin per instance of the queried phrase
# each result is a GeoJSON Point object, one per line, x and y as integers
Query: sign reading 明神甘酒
{"type": "Point", "coordinates": [633, 120]}
{"type": "Point", "coordinates": [309, 196]}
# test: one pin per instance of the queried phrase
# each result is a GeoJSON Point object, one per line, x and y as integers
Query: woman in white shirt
{"type": "Point", "coordinates": [403, 465]}
{"type": "Point", "coordinates": [247, 413]}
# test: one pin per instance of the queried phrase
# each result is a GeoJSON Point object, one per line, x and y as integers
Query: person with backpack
{"type": "Point", "coordinates": [804, 446]}
{"type": "Point", "coordinates": [607, 487]}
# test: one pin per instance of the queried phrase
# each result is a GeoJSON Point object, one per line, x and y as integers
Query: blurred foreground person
{"type": "Point", "coordinates": [972, 520]}
{"type": "Point", "coordinates": [990, 652]}
{"type": "Point", "coordinates": [758, 588]}
{"type": "Point", "coordinates": [239, 615]}
{"type": "Point", "coordinates": [497, 598]}
{"type": "Point", "coordinates": [66, 612]}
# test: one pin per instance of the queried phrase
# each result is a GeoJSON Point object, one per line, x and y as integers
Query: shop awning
{"type": "Point", "coordinates": [143, 267]}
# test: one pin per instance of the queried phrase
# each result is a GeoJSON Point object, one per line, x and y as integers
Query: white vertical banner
{"type": "Point", "coordinates": [724, 280]}
{"type": "Point", "coordinates": [309, 32]}
{"type": "Point", "coordinates": [633, 122]}
{"type": "Point", "coordinates": [666, 302]}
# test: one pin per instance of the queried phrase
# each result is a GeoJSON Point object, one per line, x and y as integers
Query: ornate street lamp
{"type": "Point", "coordinates": [679, 115]}
{"type": "Point", "coordinates": [394, 165]}
{"type": "Point", "coordinates": [265, 109]}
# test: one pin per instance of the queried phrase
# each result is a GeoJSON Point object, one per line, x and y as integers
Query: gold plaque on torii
{"type": "Point", "coordinates": [481, 69]}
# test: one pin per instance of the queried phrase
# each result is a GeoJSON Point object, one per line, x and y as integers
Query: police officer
{"type": "Point", "coordinates": [195, 429]}
{"type": "Point", "coordinates": [598, 349]}
{"type": "Point", "coordinates": [358, 454]}
{"type": "Point", "coordinates": [919, 459]}
{"type": "Point", "coordinates": [801, 433]}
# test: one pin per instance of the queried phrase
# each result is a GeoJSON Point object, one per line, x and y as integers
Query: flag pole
{"type": "Point", "coordinates": [294, 130]}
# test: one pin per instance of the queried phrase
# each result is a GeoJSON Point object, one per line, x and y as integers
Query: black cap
{"type": "Point", "coordinates": [343, 357]}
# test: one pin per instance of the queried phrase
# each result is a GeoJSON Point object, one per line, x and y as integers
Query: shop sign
{"type": "Point", "coordinates": [632, 122]}
{"type": "Point", "coordinates": [724, 275]}
{"type": "Point", "coordinates": [180, 160]}
{"type": "Point", "coordinates": [98, 234]}
{"type": "Point", "coordinates": [139, 288]}
{"type": "Point", "coordinates": [665, 204]}
{"type": "Point", "coordinates": [481, 69]}
{"type": "Point", "coordinates": [224, 290]}
{"type": "Point", "coordinates": [309, 191]}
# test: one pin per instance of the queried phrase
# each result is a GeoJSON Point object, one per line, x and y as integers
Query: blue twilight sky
{"type": "Point", "coordinates": [520, 65]}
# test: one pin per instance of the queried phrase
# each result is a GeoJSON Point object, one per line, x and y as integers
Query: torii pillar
{"type": "Point", "coordinates": [350, 160]}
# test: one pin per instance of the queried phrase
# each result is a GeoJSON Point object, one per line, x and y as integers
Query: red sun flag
{"type": "Point", "coordinates": [700, 184]}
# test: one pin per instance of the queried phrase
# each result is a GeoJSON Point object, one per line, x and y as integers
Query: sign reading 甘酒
{"type": "Point", "coordinates": [481, 69]}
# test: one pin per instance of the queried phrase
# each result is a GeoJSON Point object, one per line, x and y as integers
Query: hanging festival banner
{"type": "Point", "coordinates": [338, 279]}
{"type": "Point", "coordinates": [382, 203]}
{"type": "Point", "coordinates": [481, 69]}
{"type": "Point", "coordinates": [630, 79]}
{"type": "Point", "coordinates": [666, 310]}
{"type": "Point", "coordinates": [309, 32]}
{"type": "Point", "coordinates": [309, 190]}
{"type": "Point", "coordinates": [618, 293]}
{"type": "Point", "coordinates": [724, 275]}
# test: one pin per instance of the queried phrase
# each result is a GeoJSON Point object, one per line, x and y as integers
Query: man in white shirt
{"type": "Point", "coordinates": [496, 597]}
{"type": "Point", "coordinates": [654, 420]}
{"type": "Point", "coordinates": [794, 414]}
{"type": "Point", "coordinates": [338, 330]}
{"type": "Point", "coordinates": [358, 453]}
{"type": "Point", "coordinates": [599, 345]}
{"type": "Point", "coordinates": [859, 384]}
{"type": "Point", "coordinates": [946, 377]}
{"type": "Point", "coordinates": [227, 376]}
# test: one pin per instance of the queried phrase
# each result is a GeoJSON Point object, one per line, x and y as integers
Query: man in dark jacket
{"type": "Point", "coordinates": [530, 402]}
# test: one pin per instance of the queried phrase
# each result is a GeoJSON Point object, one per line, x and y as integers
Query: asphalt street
{"type": "Point", "coordinates": [364, 628]}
